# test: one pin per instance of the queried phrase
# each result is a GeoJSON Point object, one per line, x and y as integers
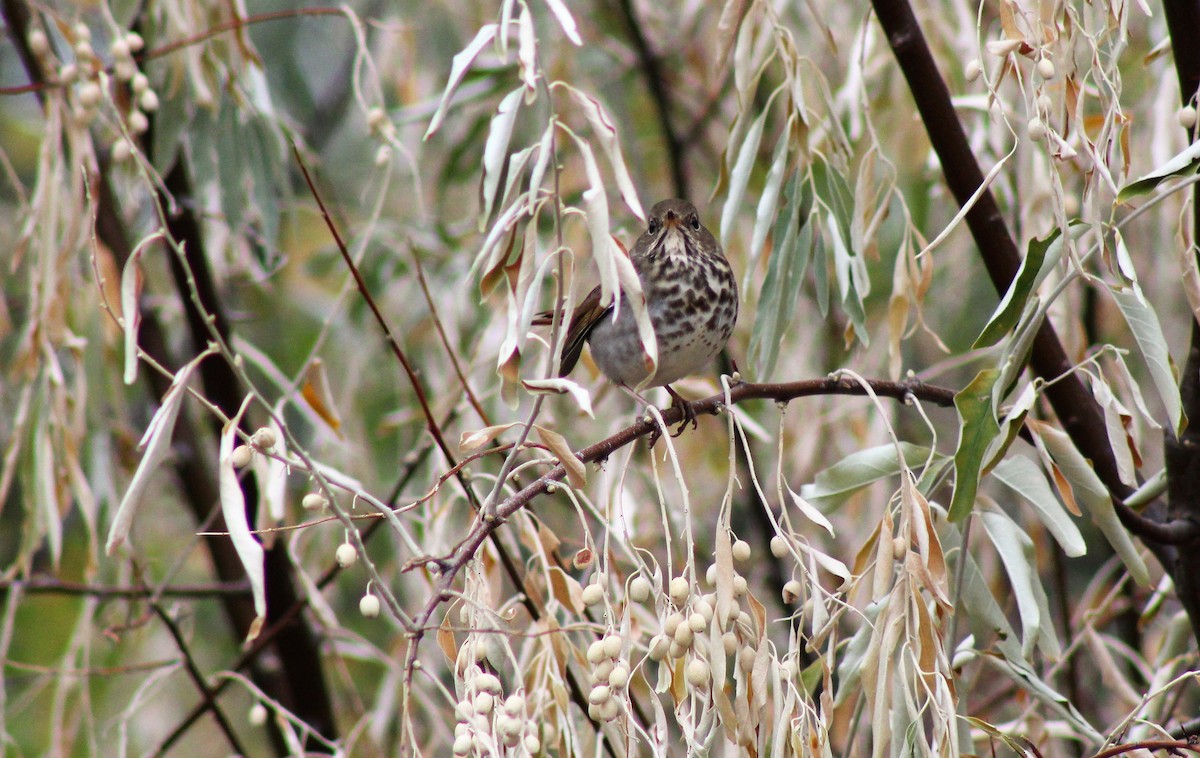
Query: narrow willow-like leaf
{"type": "Point", "coordinates": [739, 175]}
{"type": "Point", "coordinates": [1184, 163]}
{"type": "Point", "coordinates": [784, 278]}
{"type": "Point", "coordinates": [233, 509]}
{"type": "Point", "coordinates": [1040, 259]}
{"type": "Point", "coordinates": [495, 150]}
{"type": "Point", "coordinates": [1024, 477]}
{"type": "Point", "coordinates": [1016, 554]}
{"type": "Point", "coordinates": [832, 486]}
{"type": "Point", "coordinates": [1147, 332]}
{"type": "Point", "coordinates": [768, 202]}
{"type": "Point", "coordinates": [977, 429]}
{"type": "Point", "coordinates": [1091, 493]}
{"type": "Point", "coordinates": [458, 69]}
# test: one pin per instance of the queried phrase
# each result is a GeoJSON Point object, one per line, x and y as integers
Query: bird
{"type": "Point", "coordinates": [692, 299]}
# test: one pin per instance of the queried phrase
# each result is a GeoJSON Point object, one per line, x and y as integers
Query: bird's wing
{"type": "Point", "coordinates": [587, 315]}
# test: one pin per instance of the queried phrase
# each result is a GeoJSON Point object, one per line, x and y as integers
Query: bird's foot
{"type": "Point", "coordinates": [689, 413]}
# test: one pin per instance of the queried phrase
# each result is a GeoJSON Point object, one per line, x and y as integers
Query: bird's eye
{"type": "Point", "coordinates": [655, 225]}
{"type": "Point", "coordinates": [694, 222]}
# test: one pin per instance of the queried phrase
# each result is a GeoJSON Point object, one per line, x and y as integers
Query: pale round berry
{"type": "Point", "coordinates": [514, 705]}
{"type": "Point", "coordinates": [1187, 116]}
{"type": "Point", "coordinates": [124, 70]}
{"type": "Point", "coordinates": [90, 94]}
{"type": "Point", "coordinates": [746, 658]}
{"type": "Point", "coordinates": [263, 438]}
{"type": "Point", "coordinates": [710, 576]}
{"type": "Point", "coordinates": [609, 709]}
{"type": "Point", "coordinates": [697, 622]}
{"type": "Point", "coordinates": [463, 710]}
{"type": "Point", "coordinates": [139, 83]}
{"type": "Point", "coordinates": [39, 43]}
{"type": "Point", "coordinates": [742, 551]}
{"type": "Point", "coordinates": [484, 702]}
{"type": "Point", "coordinates": [603, 670]}
{"type": "Point", "coordinates": [346, 555]}
{"type": "Point", "coordinates": [121, 151]}
{"type": "Point", "coordinates": [612, 645]}
{"type": "Point", "coordinates": [729, 642]}
{"type": "Point", "coordinates": [676, 650]}
{"type": "Point", "coordinates": [119, 49]}
{"type": "Point", "coordinates": [68, 73]}
{"type": "Point", "coordinates": [593, 594]}
{"type": "Point", "coordinates": [697, 673]}
{"type": "Point", "coordinates": [705, 609]}
{"type": "Point", "coordinates": [314, 502]}
{"type": "Point", "coordinates": [509, 729]}
{"type": "Point", "coordinates": [779, 546]}
{"type": "Point", "coordinates": [258, 714]}
{"type": "Point", "coordinates": [82, 32]}
{"type": "Point", "coordinates": [1045, 68]}
{"type": "Point", "coordinates": [83, 51]}
{"type": "Point", "coordinates": [791, 591]}
{"type": "Point", "coordinates": [375, 117]}
{"type": "Point", "coordinates": [488, 683]}
{"type": "Point", "coordinates": [148, 101]}
{"type": "Point", "coordinates": [134, 41]}
{"type": "Point", "coordinates": [599, 694]}
{"type": "Point", "coordinates": [899, 548]}
{"type": "Point", "coordinates": [532, 744]}
{"type": "Point", "coordinates": [659, 647]}
{"type": "Point", "coordinates": [684, 635]}
{"type": "Point", "coordinates": [241, 456]}
{"type": "Point", "coordinates": [1037, 130]}
{"type": "Point", "coordinates": [463, 744]}
{"type": "Point", "coordinates": [972, 70]}
{"type": "Point", "coordinates": [680, 589]}
{"type": "Point", "coordinates": [672, 623]}
{"type": "Point", "coordinates": [368, 606]}
{"type": "Point", "coordinates": [639, 589]}
{"type": "Point", "coordinates": [595, 652]}
{"type": "Point", "coordinates": [618, 677]}
{"type": "Point", "coordinates": [739, 586]}
{"type": "Point", "coordinates": [138, 123]}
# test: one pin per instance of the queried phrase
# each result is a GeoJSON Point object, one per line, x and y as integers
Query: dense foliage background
{"type": "Point", "coordinates": [282, 446]}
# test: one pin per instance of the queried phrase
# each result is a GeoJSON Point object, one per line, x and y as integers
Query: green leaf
{"type": "Point", "coordinates": [1016, 554]}
{"type": "Point", "coordinates": [832, 486]}
{"type": "Point", "coordinates": [1024, 477]}
{"type": "Point", "coordinates": [1033, 270]}
{"type": "Point", "coordinates": [784, 278]}
{"type": "Point", "coordinates": [1148, 333]}
{"type": "Point", "coordinates": [1184, 163]}
{"type": "Point", "coordinates": [977, 429]}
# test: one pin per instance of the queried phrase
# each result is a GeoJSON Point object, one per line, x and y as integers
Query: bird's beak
{"type": "Point", "coordinates": [671, 221]}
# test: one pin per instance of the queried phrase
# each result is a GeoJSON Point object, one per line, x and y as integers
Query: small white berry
{"type": "Point", "coordinates": [710, 576]}
{"type": "Point", "coordinates": [680, 589]}
{"type": "Point", "coordinates": [972, 70]}
{"type": "Point", "coordinates": [729, 643]}
{"type": "Point", "coordinates": [124, 70]}
{"type": "Point", "coordinates": [684, 635]}
{"type": "Point", "coordinates": [84, 51]}
{"type": "Point", "coordinates": [90, 94]}
{"type": "Point", "coordinates": [659, 647]}
{"type": "Point", "coordinates": [603, 670]}
{"type": "Point", "coordinates": [241, 456]}
{"type": "Point", "coordinates": [134, 41]}
{"type": "Point", "coordinates": [791, 591]}
{"type": "Point", "coordinates": [139, 83]}
{"type": "Point", "coordinates": [68, 72]}
{"type": "Point", "coordinates": [314, 502]}
{"type": "Point", "coordinates": [514, 705]}
{"type": "Point", "coordinates": [595, 652]}
{"type": "Point", "coordinates": [599, 695]}
{"type": "Point", "coordinates": [82, 32]}
{"type": "Point", "coordinates": [705, 609]}
{"type": "Point", "coordinates": [463, 744]}
{"type": "Point", "coordinates": [672, 623]}
{"type": "Point", "coordinates": [739, 586]}
{"type": "Point", "coordinates": [1037, 130]}
{"type": "Point", "coordinates": [39, 43]}
{"type": "Point", "coordinates": [1187, 116]}
{"type": "Point", "coordinates": [258, 714]}
{"type": "Point", "coordinates": [138, 123]}
{"type": "Point", "coordinates": [746, 657]}
{"type": "Point", "coordinates": [899, 548]}
{"type": "Point", "coordinates": [369, 606]}
{"type": "Point", "coordinates": [742, 551]}
{"type": "Point", "coordinates": [779, 546]}
{"type": "Point", "coordinates": [263, 438]}
{"type": "Point", "coordinates": [484, 702]}
{"type": "Point", "coordinates": [375, 117]}
{"type": "Point", "coordinates": [1045, 68]}
{"type": "Point", "coordinates": [697, 673]}
{"type": "Point", "coordinates": [488, 683]}
{"type": "Point", "coordinates": [639, 589]}
{"type": "Point", "coordinates": [148, 101]}
{"type": "Point", "coordinates": [697, 622]}
{"type": "Point", "coordinates": [593, 594]}
{"type": "Point", "coordinates": [532, 744]}
{"type": "Point", "coordinates": [612, 645]}
{"type": "Point", "coordinates": [609, 709]}
{"type": "Point", "coordinates": [119, 48]}
{"type": "Point", "coordinates": [121, 151]}
{"type": "Point", "coordinates": [618, 677]}
{"type": "Point", "coordinates": [346, 555]}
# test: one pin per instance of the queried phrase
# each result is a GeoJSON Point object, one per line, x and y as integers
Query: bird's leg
{"type": "Point", "coordinates": [655, 433]}
{"type": "Point", "coordinates": [689, 413]}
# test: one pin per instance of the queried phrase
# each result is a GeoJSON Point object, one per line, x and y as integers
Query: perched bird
{"type": "Point", "coordinates": [691, 295]}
